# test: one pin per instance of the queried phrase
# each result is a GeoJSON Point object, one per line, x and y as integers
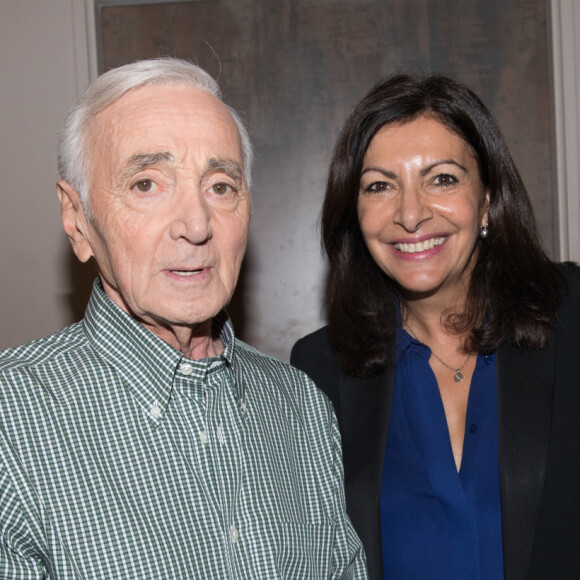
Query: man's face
{"type": "Point", "coordinates": [170, 206]}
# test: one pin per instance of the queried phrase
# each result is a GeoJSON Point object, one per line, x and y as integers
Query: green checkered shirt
{"type": "Point", "coordinates": [120, 458]}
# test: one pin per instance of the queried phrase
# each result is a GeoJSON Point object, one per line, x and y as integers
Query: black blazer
{"type": "Point", "coordinates": [539, 444]}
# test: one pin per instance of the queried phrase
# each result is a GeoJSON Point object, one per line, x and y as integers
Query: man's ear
{"type": "Point", "coordinates": [74, 220]}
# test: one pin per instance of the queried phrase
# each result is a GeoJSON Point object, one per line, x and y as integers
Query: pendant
{"type": "Point", "coordinates": [458, 376]}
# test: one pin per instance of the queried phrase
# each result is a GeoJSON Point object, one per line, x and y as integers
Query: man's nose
{"type": "Point", "coordinates": [192, 217]}
{"type": "Point", "coordinates": [413, 210]}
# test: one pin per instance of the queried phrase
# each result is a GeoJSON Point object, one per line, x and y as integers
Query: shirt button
{"type": "Point", "coordinates": [156, 411]}
{"type": "Point", "coordinates": [203, 437]}
{"type": "Point", "coordinates": [185, 369]}
{"type": "Point", "coordinates": [234, 534]}
{"type": "Point", "coordinates": [473, 428]}
{"type": "Point", "coordinates": [487, 360]}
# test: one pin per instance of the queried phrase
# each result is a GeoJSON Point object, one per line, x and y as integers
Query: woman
{"type": "Point", "coordinates": [451, 351]}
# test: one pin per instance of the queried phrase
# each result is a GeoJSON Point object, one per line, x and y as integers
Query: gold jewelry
{"type": "Point", "coordinates": [458, 377]}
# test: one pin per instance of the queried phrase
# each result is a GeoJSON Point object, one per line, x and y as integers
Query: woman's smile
{"type": "Point", "coordinates": [421, 205]}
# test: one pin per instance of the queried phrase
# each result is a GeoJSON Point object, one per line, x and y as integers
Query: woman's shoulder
{"type": "Point", "coordinates": [569, 309]}
{"type": "Point", "coordinates": [316, 342]}
{"type": "Point", "coordinates": [314, 349]}
{"type": "Point", "coordinates": [314, 355]}
{"type": "Point", "coordinates": [570, 272]}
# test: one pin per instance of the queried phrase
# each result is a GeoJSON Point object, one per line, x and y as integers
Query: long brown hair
{"type": "Point", "coordinates": [514, 288]}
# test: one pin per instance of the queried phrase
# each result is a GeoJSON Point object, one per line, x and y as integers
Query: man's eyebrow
{"type": "Point", "coordinates": [231, 168]}
{"type": "Point", "coordinates": [140, 161]}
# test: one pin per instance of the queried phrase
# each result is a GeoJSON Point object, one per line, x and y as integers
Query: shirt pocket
{"type": "Point", "coordinates": [305, 551]}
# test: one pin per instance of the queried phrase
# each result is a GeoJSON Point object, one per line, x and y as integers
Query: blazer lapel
{"type": "Point", "coordinates": [525, 393]}
{"type": "Point", "coordinates": [365, 407]}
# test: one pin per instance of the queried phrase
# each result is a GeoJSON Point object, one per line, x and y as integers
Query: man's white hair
{"type": "Point", "coordinates": [111, 86]}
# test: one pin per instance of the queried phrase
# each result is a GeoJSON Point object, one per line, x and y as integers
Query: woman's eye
{"type": "Point", "coordinates": [377, 186]}
{"type": "Point", "coordinates": [144, 186]}
{"type": "Point", "coordinates": [445, 180]}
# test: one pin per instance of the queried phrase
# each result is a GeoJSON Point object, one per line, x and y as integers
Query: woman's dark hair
{"type": "Point", "coordinates": [514, 290]}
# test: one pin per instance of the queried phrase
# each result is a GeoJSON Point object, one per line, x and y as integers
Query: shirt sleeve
{"type": "Point", "coordinates": [18, 560]}
{"type": "Point", "coordinates": [349, 557]}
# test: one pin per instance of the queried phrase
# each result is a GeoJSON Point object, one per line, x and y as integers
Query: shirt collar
{"type": "Point", "coordinates": [404, 339]}
{"type": "Point", "coordinates": [145, 363]}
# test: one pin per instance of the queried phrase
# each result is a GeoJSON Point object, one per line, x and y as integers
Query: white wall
{"type": "Point", "coordinates": [565, 43]}
{"type": "Point", "coordinates": [38, 84]}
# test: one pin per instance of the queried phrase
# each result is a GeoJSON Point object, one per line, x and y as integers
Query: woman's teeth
{"type": "Point", "coordinates": [419, 246]}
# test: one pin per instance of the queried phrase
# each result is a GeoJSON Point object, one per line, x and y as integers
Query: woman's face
{"type": "Point", "coordinates": [421, 205]}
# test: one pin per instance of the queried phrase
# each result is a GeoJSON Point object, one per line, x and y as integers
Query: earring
{"type": "Point", "coordinates": [484, 232]}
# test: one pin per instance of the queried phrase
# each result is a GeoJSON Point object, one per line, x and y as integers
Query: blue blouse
{"type": "Point", "coordinates": [437, 523]}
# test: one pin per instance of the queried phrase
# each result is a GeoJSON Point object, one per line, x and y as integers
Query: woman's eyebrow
{"type": "Point", "coordinates": [385, 172]}
{"type": "Point", "coordinates": [432, 166]}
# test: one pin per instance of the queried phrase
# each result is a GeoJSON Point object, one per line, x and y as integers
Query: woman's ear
{"type": "Point", "coordinates": [74, 221]}
{"type": "Point", "coordinates": [485, 215]}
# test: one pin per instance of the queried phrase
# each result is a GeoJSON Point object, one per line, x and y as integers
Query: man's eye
{"type": "Point", "coordinates": [221, 188]}
{"type": "Point", "coordinates": [144, 186]}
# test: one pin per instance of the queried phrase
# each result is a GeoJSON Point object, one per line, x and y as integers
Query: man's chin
{"type": "Point", "coordinates": [181, 318]}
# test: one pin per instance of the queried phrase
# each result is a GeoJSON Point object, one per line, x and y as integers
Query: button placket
{"type": "Point", "coordinates": [234, 534]}
{"type": "Point", "coordinates": [221, 434]}
{"type": "Point", "coordinates": [224, 420]}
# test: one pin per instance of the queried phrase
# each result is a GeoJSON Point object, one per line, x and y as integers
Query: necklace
{"type": "Point", "coordinates": [458, 377]}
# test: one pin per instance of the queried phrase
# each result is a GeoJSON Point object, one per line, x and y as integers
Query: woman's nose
{"type": "Point", "coordinates": [413, 210]}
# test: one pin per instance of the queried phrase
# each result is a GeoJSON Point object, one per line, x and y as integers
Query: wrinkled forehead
{"type": "Point", "coordinates": [140, 107]}
{"type": "Point", "coordinates": [162, 118]}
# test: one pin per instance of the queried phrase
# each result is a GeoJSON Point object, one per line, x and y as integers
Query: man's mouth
{"type": "Point", "coordinates": [186, 273]}
{"type": "Point", "coordinates": [419, 246]}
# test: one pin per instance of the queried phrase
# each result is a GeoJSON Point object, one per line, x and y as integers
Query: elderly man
{"type": "Point", "coordinates": [146, 441]}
